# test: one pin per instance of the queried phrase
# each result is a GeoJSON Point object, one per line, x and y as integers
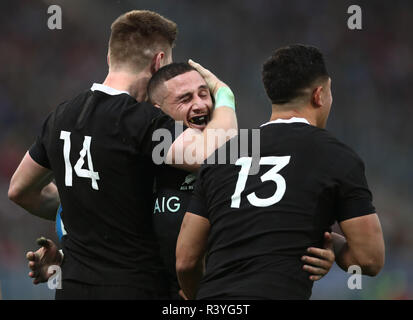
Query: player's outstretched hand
{"type": "Point", "coordinates": [323, 259]}
{"type": "Point", "coordinates": [211, 79]}
{"type": "Point", "coordinates": [42, 259]}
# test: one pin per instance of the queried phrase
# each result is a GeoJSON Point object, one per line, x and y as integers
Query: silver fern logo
{"type": "Point", "coordinates": [188, 183]}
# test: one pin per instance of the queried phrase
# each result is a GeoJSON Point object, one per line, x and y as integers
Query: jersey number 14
{"type": "Point", "coordinates": [80, 172]}
{"type": "Point", "coordinates": [271, 175]}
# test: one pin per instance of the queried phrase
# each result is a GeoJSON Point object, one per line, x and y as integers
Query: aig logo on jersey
{"type": "Point", "coordinates": [188, 183]}
{"type": "Point", "coordinates": [171, 204]}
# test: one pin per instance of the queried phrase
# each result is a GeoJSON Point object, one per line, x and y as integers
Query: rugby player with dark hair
{"type": "Point", "coordinates": [98, 147]}
{"type": "Point", "coordinates": [255, 229]}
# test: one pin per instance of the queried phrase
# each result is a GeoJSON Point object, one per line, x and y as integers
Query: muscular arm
{"type": "Point", "coordinates": [31, 187]}
{"type": "Point", "coordinates": [364, 246]}
{"type": "Point", "coordinates": [190, 249]}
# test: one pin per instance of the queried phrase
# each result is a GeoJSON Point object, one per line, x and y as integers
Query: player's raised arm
{"type": "Point", "coordinates": [32, 188]}
{"type": "Point", "coordinates": [193, 146]}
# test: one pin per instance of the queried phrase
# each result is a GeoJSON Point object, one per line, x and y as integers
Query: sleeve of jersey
{"type": "Point", "coordinates": [354, 196]}
{"type": "Point", "coordinates": [197, 205]}
{"type": "Point", "coordinates": [38, 151]}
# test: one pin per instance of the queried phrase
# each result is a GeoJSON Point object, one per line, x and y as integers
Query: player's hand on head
{"type": "Point", "coordinates": [211, 79]}
{"type": "Point", "coordinates": [321, 260]}
{"type": "Point", "coordinates": [40, 260]}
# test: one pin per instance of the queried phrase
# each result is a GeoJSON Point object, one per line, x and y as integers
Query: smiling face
{"type": "Point", "coordinates": [186, 98]}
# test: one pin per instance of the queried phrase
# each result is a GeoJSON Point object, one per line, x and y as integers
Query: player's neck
{"type": "Point", "coordinates": [134, 84]}
{"type": "Point", "coordinates": [288, 113]}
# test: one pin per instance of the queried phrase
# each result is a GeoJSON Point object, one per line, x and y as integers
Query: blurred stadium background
{"type": "Point", "coordinates": [372, 109]}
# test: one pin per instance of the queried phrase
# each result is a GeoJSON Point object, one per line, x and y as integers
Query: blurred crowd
{"type": "Point", "coordinates": [371, 71]}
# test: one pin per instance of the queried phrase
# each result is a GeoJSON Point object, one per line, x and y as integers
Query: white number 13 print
{"type": "Point", "coordinates": [80, 172]}
{"type": "Point", "coordinates": [271, 175]}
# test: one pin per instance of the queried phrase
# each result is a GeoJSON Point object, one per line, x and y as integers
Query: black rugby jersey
{"type": "Point", "coordinates": [99, 147]}
{"type": "Point", "coordinates": [262, 224]}
{"type": "Point", "coordinates": [173, 191]}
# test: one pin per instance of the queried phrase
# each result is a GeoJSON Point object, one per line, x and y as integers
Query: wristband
{"type": "Point", "coordinates": [224, 98]}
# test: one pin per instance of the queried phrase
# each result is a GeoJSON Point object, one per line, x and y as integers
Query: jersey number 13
{"type": "Point", "coordinates": [272, 175]}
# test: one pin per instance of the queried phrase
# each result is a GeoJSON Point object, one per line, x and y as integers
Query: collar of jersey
{"type": "Point", "coordinates": [106, 89]}
{"type": "Point", "coordinates": [291, 120]}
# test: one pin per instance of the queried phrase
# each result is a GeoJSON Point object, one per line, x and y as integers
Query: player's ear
{"type": "Point", "coordinates": [157, 105]}
{"type": "Point", "coordinates": [156, 63]}
{"type": "Point", "coordinates": [317, 97]}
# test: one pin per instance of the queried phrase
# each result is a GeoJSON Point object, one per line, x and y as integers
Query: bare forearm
{"type": "Point", "coordinates": [348, 257]}
{"type": "Point", "coordinates": [223, 118]}
{"type": "Point", "coordinates": [222, 127]}
{"type": "Point", "coordinates": [344, 257]}
{"type": "Point", "coordinates": [364, 246]}
{"type": "Point", "coordinates": [42, 203]}
{"type": "Point", "coordinates": [193, 147]}
{"type": "Point", "coordinates": [189, 280]}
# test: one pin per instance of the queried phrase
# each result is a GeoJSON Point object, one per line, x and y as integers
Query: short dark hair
{"type": "Point", "coordinates": [290, 70]}
{"type": "Point", "coordinates": [166, 73]}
